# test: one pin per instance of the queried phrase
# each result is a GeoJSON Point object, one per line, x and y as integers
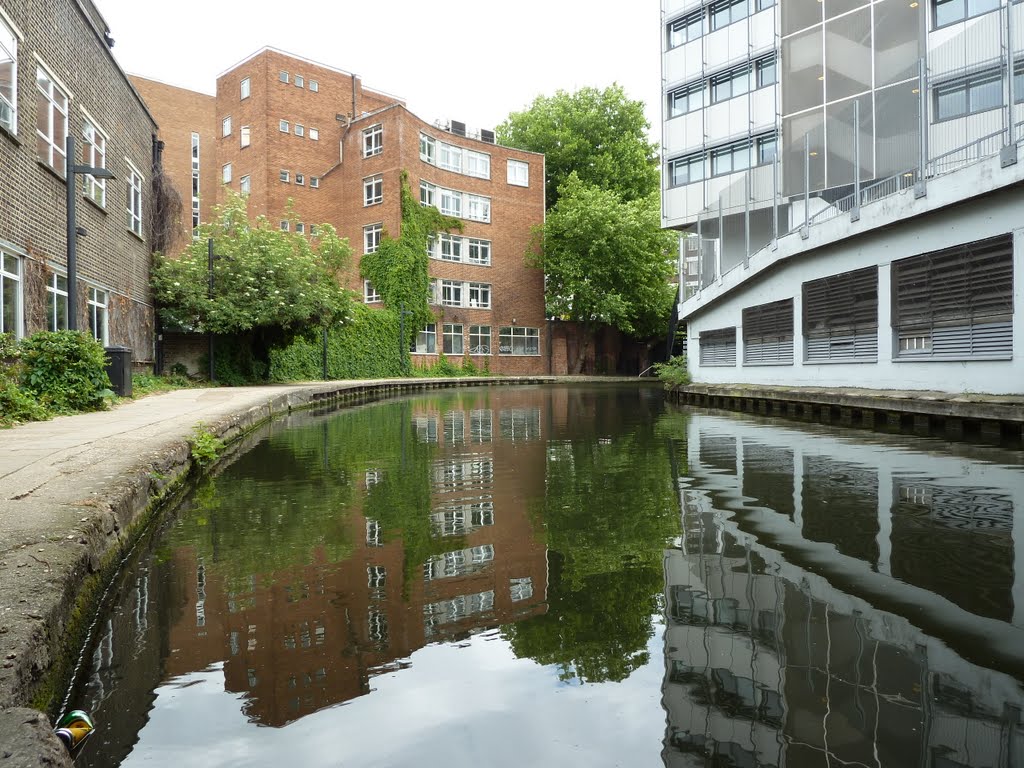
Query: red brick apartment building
{"type": "Point", "coordinates": [58, 77]}
{"type": "Point", "coordinates": [287, 131]}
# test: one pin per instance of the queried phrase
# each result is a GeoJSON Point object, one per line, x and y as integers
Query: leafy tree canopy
{"type": "Point", "coordinates": [600, 135]}
{"type": "Point", "coordinates": [264, 279]}
{"type": "Point", "coordinates": [606, 260]}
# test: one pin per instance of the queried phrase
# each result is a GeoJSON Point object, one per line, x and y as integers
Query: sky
{"type": "Point", "coordinates": [469, 60]}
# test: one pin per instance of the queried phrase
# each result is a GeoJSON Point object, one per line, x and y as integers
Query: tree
{"type": "Point", "coordinates": [606, 261]}
{"type": "Point", "coordinates": [601, 136]}
{"type": "Point", "coordinates": [268, 285]}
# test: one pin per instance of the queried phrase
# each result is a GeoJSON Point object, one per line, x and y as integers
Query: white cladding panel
{"type": "Point", "coordinates": [762, 30]}
{"type": "Point", "coordinates": [684, 132]}
{"type": "Point", "coordinates": [684, 63]}
{"type": "Point", "coordinates": [682, 203]}
{"type": "Point", "coordinates": [762, 108]}
{"type": "Point", "coordinates": [671, 7]}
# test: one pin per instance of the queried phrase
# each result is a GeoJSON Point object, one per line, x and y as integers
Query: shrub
{"type": "Point", "coordinates": [16, 405]}
{"type": "Point", "coordinates": [65, 371]}
{"type": "Point", "coordinates": [674, 372]}
{"type": "Point", "coordinates": [205, 446]}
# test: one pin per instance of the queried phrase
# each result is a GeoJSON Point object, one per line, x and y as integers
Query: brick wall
{"type": "Point", "coordinates": [67, 38]}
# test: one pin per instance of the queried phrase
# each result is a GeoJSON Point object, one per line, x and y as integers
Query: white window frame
{"type": "Point", "coordinates": [372, 234]}
{"type": "Point", "coordinates": [449, 157]}
{"type": "Point", "coordinates": [9, 108]}
{"type": "Point", "coordinates": [373, 190]}
{"type": "Point", "coordinates": [314, 134]}
{"type": "Point", "coordinates": [453, 339]}
{"type": "Point", "coordinates": [300, 81]}
{"type": "Point", "coordinates": [195, 185]}
{"type": "Point", "coordinates": [480, 341]}
{"type": "Point", "coordinates": [98, 302]}
{"type": "Point", "coordinates": [373, 140]}
{"type": "Point", "coordinates": [94, 153]}
{"type": "Point", "coordinates": [478, 164]}
{"type": "Point", "coordinates": [449, 247]}
{"type": "Point", "coordinates": [56, 297]}
{"type": "Point", "coordinates": [478, 208]}
{"type": "Point", "coordinates": [10, 272]}
{"type": "Point", "coordinates": [283, 126]}
{"type": "Point", "coordinates": [284, 176]}
{"type": "Point", "coordinates": [283, 76]}
{"type": "Point", "coordinates": [225, 173]}
{"type": "Point", "coordinates": [225, 127]}
{"type": "Point", "coordinates": [482, 291]}
{"type": "Point", "coordinates": [428, 194]}
{"type": "Point", "coordinates": [244, 88]}
{"type": "Point", "coordinates": [314, 86]}
{"type": "Point", "coordinates": [300, 179]}
{"type": "Point", "coordinates": [370, 295]}
{"type": "Point", "coordinates": [427, 339]}
{"type": "Point", "coordinates": [53, 100]}
{"type": "Point", "coordinates": [134, 202]}
{"type": "Point", "coordinates": [450, 203]}
{"type": "Point", "coordinates": [285, 225]}
{"type": "Point", "coordinates": [428, 149]}
{"type": "Point", "coordinates": [244, 136]}
{"type": "Point", "coordinates": [518, 173]}
{"type": "Point", "coordinates": [300, 227]}
{"type": "Point", "coordinates": [507, 336]}
{"type": "Point", "coordinates": [245, 185]}
{"type": "Point", "coordinates": [482, 258]}
{"type": "Point", "coordinates": [300, 130]}
{"type": "Point", "coordinates": [451, 293]}
{"type": "Point", "coordinates": [314, 182]}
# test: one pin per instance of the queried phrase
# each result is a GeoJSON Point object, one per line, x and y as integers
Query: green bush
{"type": "Point", "coordinates": [65, 371]}
{"type": "Point", "coordinates": [674, 372]}
{"type": "Point", "coordinates": [16, 405]}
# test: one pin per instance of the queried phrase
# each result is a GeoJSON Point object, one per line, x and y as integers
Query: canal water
{"type": "Point", "coordinates": [572, 576]}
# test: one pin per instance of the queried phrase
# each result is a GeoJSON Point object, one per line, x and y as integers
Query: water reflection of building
{"type": "Point", "coordinates": [778, 651]}
{"type": "Point", "coordinates": [296, 641]}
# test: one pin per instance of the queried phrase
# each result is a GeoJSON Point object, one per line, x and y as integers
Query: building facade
{"type": "Point", "coordinates": [58, 78]}
{"type": "Point", "coordinates": [310, 144]}
{"type": "Point", "coordinates": [844, 176]}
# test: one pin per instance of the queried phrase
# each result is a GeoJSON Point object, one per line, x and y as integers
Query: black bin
{"type": "Point", "coordinates": [119, 369]}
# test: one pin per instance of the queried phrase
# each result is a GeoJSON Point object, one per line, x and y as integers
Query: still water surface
{"type": "Point", "coordinates": [573, 576]}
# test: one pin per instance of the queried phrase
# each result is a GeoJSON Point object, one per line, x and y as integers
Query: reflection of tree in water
{"type": "Point", "coordinates": [610, 509]}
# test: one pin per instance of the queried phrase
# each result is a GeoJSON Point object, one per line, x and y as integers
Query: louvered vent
{"type": "Point", "coordinates": [841, 317]}
{"type": "Point", "coordinates": [956, 303]}
{"type": "Point", "coordinates": [718, 347]}
{"type": "Point", "coordinates": [768, 334]}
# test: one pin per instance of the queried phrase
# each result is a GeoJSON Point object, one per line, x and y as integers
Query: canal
{"type": "Point", "coordinates": [571, 576]}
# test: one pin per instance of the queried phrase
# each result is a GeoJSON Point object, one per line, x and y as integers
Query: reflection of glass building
{"type": "Point", "coordinates": [796, 266]}
{"type": "Point", "coordinates": [777, 650]}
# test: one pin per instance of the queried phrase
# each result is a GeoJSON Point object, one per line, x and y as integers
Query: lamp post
{"type": "Point", "coordinates": [71, 171]}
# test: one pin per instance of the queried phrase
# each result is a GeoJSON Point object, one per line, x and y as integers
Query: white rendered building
{"type": "Point", "coordinates": [797, 270]}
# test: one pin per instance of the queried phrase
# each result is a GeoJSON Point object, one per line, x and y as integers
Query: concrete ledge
{"type": "Point", "coordinates": [76, 493]}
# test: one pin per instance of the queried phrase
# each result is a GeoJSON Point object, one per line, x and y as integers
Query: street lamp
{"type": "Point", "coordinates": [71, 172]}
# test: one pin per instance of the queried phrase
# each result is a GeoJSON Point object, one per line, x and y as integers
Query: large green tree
{"type": "Point", "coordinates": [600, 135]}
{"type": "Point", "coordinates": [267, 285]}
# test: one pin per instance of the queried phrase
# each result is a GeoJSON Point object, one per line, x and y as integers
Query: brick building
{"type": "Point", "coordinates": [289, 132]}
{"type": "Point", "coordinates": [59, 77]}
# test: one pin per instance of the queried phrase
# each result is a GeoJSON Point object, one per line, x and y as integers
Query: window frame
{"type": "Point", "coordinates": [512, 332]}
{"type": "Point", "coordinates": [94, 153]}
{"type": "Point", "coordinates": [284, 126]}
{"type": "Point", "coordinates": [225, 127]}
{"type": "Point", "coordinates": [299, 130]}
{"type": "Point", "coordinates": [314, 86]}
{"type": "Point", "coordinates": [134, 205]}
{"type": "Point", "coordinates": [451, 293]}
{"type": "Point", "coordinates": [11, 271]}
{"type": "Point", "coordinates": [453, 340]}
{"type": "Point", "coordinates": [244, 136]}
{"type": "Point", "coordinates": [975, 81]}
{"type": "Point", "coordinates": [314, 134]}
{"type": "Point", "coordinates": [483, 293]}
{"type": "Point", "coordinates": [285, 177]}
{"type": "Point", "coordinates": [56, 298]}
{"type": "Point", "coordinates": [372, 234]}
{"type": "Point", "coordinates": [226, 173]}
{"type": "Point", "coordinates": [99, 314]}
{"type": "Point", "coordinates": [684, 25]}
{"type": "Point", "coordinates": [245, 185]}
{"type": "Point", "coordinates": [283, 76]}
{"type": "Point", "coordinates": [244, 88]}
{"type": "Point", "coordinates": [47, 99]}
{"type": "Point", "coordinates": [428, 336]}
{"type": "Point", "coordinates": [687, 161]}
{"type": "Point", "coordinates": [373, 190]}
{"type": "Point", "coordinates": [370, 295]}
{"type": "Point", "coordinates": [483, 248]}
{"type": "Point", "coordinates": [513, 175]}
{"type": "Point", "coordinates": [9, 107]}
{"type": "Point", "coordinates": [373, 140]}
{"type": "Point", "coordinates": [480, 341]}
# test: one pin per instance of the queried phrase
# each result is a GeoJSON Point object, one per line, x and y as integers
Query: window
{"type": "Point", "coordinates": [283, 76]}
{"type": "Point", "coordinates": [300, 228]}
{"type": "Point", "coordinates": [300, 130]}
{"type": "Point", "coordinates": [450, 247]}
{"type": "Point", "coordinates": [729, 159]}
{"type": "Point", "coordinates": [451, 342]}
{"type": "Point", "coordinates": [314, 134]}
{"type": "Point", "coordinates": [726, 85]}
{"type": "Point", "coordinates": [478, 208]}
{"type": "Point", "coordinates": [840, 317]}
{"type": "Point", "coordinates": [451, 293]}
{"type": "Point", "coordinates": [683, 30]}
{"type": "Point", "coordinates": [371, 237]}
{"type": "Point", "coordinates": [51, 121]}
{"type": "Point", "coordinates": [195, 185]}
{"type": "Point", "coordinates": [955, 304]}
{"type": "Point", "coordinates": [373, 140]}
{"type": "Point", "coordinates": [426, 341]}
{"type": "Point", "coordinates": [451, 203]}
{"type": "Point", "coordinates": [226, 173]}
{"type": "Point", "coordinates": [300, 179]}
{"type": "Point", "coordinates": [8, 79]}
{"type": "Point", "coordinates": [300, 81]}
{"type": "Point", "coordinates": [314, 86]}
{"type": "Point", "coordinates": [245, 185]}
{"type": "Point", "coordinates": [726, 12]}
{"type": "Point", "coordinates": [479, 252]}
{"type": "Point", "coordinates": [767, 149]}
{"type": "Point", "coordinates": [451, 158]}
{"type": "Point", "coordinates": [314, 182]}
{"type": "Point", "coordinates": [718, 346]}
{"type": "Point", "coordinates": [686, 170]}
{"type": "Point", "coordinates": [283, 126]}
{"type": "Point", "coordinates": [768, 334]}
{"type": "Point", "coordinates": [520, 589]}
{"type": "Point", "coordinates": [135, 201]}
{"type": "Point", "coordinates": [766, 72]}
{"type": "Point", "coordinates": [225, 126]}
{"type": "Point", "coordinates": [479, 339]}
{"type": "Point", "coordinates": [518, 173]}
{"type": "Point", "coordinates": [244, 135]}
{"type": "Point", "coordinates": [428, 193]}
{"type": "Point", "coordinates": [56, 303]}
{"type": "Point", "coordinates": [515, 340]}
{"type": "Point", "coordinates": [977, 93]}
{"type": "Point", "coordinates": [480, 295]}
{"type": "Point", "coordinates": [428, 148]}
{"type": "Point", "coordinates": [952, 11]}
{"type": "Point", "coordinates": [10, 293]}
{"type": "Point", "coordinates": [370, 295]}
{"type": "Point", "coordinates": [373, 190]}
{"type": "Point", "coordinates": [686, 99]}
{"type": "Point", "coordinates": [478, 164]}
{"type": "Point", "coordinates": [285, 225]}
{"type": "Point", "coordinates": [244, 89]}
{"type": "Point", "coordinates": [94, 153]}
{"type": "Point", "coordinates": [97, 305]}
{"type": "Point", "coordinates": [285, 176]}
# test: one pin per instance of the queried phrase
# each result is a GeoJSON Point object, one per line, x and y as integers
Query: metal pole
{"type": "Point", "coordinates": [775, 198]}
{"type": "Point", "coordinates": [209, 295]}
{"type": "Point", "coordinates": [721, 242]}
{"type": "Point", "coordinates": [69, 178]}
{"type": "Point", "coordinates": [807, 186]}
{"type": "Point", "coordinates": [855, 213]}
{"type": "Point", "coordinates": [920, 189]}
{"type": "Point", "coordinates": [700, 252]}
{"type": "Point", "coordinates": [746, 219]}
{"type": "Point", "coordinates": [1011, 70]}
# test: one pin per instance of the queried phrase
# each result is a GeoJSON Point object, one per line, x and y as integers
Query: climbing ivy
{"type": "Point", "coordinates": [398, 269]}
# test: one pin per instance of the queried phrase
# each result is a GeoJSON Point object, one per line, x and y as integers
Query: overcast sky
{"type": "Point", "coordinates": [468, 60]}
